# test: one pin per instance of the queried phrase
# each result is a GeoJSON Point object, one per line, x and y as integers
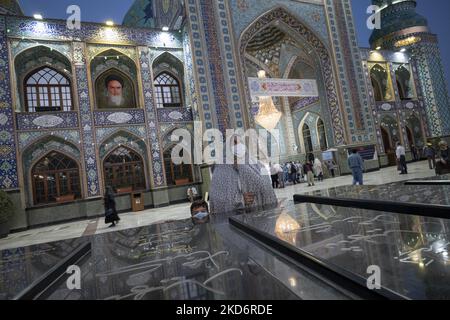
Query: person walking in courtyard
{"type": "Point", "coordinates": [274, 176]}
{"type": "Point", "coordinates": [308, 168]}
{"type": "Point", "coordinates": [111, 215]}
{"type": "Point", "coordinates": [318, 169]}
{"type": "Point", "coordinates": [192, 194]}
{"type": "Point", "coordinates": [443, 165]}
{"type": "Point", "coordinates": [443, 146]}
{"type": "Point", "coordinates": [293, 172]}
{"type": "Point", "coordinates": [356, 165]}
{"type": "Point", "coordinates": [415, 153]}
{"type": "Point", "coordinates": [331, 167]}
{"type": "Point", "coordinates": [430, 153]}
{"type": "Point", "coordinates": [280, 175]}
{"type": "Point", "coordinates": [401, 157]}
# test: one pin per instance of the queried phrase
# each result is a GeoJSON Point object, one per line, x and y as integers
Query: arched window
{"type": "Point", "coordinates": [322, 135]}
{"type": "Point", "coordinates": [381, 82]}
{"type": "Point", "coordinates": [47, 90]}
{"type": "Point", "coordinates": [378, 95]}
{"type": "Point", "coordinates": [168, 91]}
{"type": "Point", "coordinates": [124, 169]}
{"type": "Point", "coordinates": [176, 174]}
{"type": "Point", "coordinates": [307, 138]}
{"type": "Point", "coordinates": [405, 83]}
{"type": "Point", "coordinates": [55, 177]}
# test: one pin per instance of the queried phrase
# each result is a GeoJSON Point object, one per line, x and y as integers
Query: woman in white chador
{"type": "Point", "coordinates": [318, 169]}
{"type": "Point", "coordinates": [240, 187]}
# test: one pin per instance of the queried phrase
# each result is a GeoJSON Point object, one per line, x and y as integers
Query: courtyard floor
{"type": "Point", "coordinates": [181, 211]}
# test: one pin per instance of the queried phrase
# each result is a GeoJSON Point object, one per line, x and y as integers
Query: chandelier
{"type": "Point", "coordinates": [268, 115]}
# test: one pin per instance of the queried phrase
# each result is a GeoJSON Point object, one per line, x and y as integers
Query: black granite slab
{"type": "Point", "coordinates": [436, 195]}
{"type": "Point", "coordinates": [174, 260]}
{"type": "Point", "coordinates": [411, 251]}
{"type": "Point", "coordinates": [20, 267]}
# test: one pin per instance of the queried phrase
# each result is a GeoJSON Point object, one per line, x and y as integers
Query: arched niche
{"type": "Point", "coordinates": [322, 134]}
{"type": "Point", "coordinates": [308, 133]}
{"type": "Point", "coordinates": [37, 151]}
{"type": "Point", "coordinates": [301, 69]}
{"type": "Point", "coordinates": [177, 174]}
{"type": "Point", "coordinates": [415, 136]}
{"type": "Point", "coordinates": [34, 59]}
{"type": "Point", "coordinates": [168, 62]}
{"type": "Point", "coordinates": [168, 72]}
{"type": "Point", "coordinates": [381, 82]}
{"type": "Point", "coordinates": [391, 128]}
{"type": "Point", "coordinates": [114, 76]}
{"type": "Point", "coordinates": [124, 169]}
{"type": "Point", "coordinates": [55, 178]}
{"type": "Point", "coordinates": [405, 82]}
{"type": "Point", "coordinates": [130, 141]}
{"type": "Point", "coordinates": [279, 25]}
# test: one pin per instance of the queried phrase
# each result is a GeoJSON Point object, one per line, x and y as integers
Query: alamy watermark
{"type": "Point", "coordinates": [374, 280]}
{"type": "Point", "coordinates": [236, 147]}
{"type": "Point", "coordinates": [74, 280]}
{"type": "Point", "coordinates": [374, 20]}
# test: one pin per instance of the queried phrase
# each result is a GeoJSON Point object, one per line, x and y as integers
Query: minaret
{"type": "Point", "coordinates": [403, 29]}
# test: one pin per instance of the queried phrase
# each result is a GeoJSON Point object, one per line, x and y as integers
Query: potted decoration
{"type": "Point", "coordinates": [6, 210]}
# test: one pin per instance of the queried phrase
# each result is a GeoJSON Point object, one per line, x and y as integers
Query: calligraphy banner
{"type": "Point", "coordinates": [264, 87]}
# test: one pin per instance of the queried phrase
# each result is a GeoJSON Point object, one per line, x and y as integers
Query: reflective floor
{"type": "Point", "coordinates": [411, 251]}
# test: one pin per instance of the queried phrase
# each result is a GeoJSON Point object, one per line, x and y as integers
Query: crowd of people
{"type": "Point", "coordinates": [295, 172]}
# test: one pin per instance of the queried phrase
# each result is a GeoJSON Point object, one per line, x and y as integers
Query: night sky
{"type": "Point", "coordinates": [436, 11]}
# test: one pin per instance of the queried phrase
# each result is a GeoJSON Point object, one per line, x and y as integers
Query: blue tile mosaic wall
{"type": "Point", "coordinates": [229, 64]}
{"type": "Point", "coordinates": [57, 30]}
{"type": "Point", "coordinates": [201, 64]}
{"type": "Point", "coordinates": [159, 179]}
{"type": "Point", "coordinates": [431, 75]}
{"type": "Point", "coordinates": [8, 159]}
{"type": "Point", "coordinates": [215, 60]}
{"type": "Point", "coordinates": [192, 94]}
{"type": "Point", "coordinates": [351, 75]}
{"type": "Point", "coordinates": [103, 134]}
{"type": "Point", "coordinates": [87, 122]}
{"type": "Point", "coordinates": [31, 137]}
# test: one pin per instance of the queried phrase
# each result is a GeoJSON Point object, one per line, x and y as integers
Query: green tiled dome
{"type": "Point", "coordinates": [10, 7]}
{"type": "Point", "coordinates": [398, 16]}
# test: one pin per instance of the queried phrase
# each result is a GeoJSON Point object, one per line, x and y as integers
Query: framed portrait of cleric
{"type": "Point", "coordinates": [115, 90]}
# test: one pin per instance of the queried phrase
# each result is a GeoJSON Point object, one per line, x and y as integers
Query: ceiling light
{"type": "Point", "coordinates": [38, 16]}
{"type": "Point", "coordinates": [165, 28]}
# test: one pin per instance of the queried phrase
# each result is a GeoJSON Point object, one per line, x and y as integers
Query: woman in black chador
{"type": "Point", "coordinates": [111, 215]}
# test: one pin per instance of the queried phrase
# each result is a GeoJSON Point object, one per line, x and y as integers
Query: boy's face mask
{"type": "Point", "coordinates": [201, 215]}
